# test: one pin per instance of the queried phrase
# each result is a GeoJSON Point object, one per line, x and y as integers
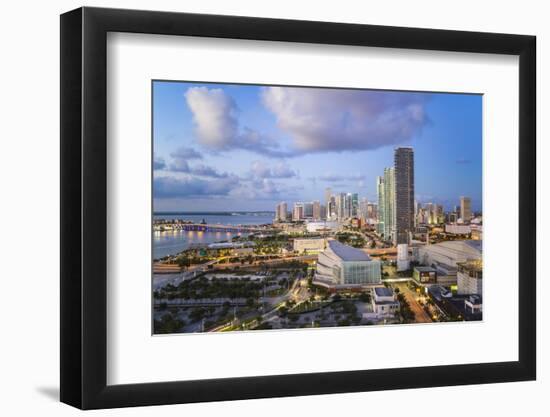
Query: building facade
{"type": "Point", "coordinates": [281, 212]}
{"type": "Point", "coordinates": [340, 266]}
{"type": "Point", "coordinates": [404, 194]}
{"type": "Point", "coordinates": [465, 209]}
{"type": "Point", "coordinates": [469, 278]}
{"type": "Point", "coordinates": [389, 204]}
{"type": "Point", "coordinates": [309, 245]}
{"type": "Point", "coordinates": [380, 196]}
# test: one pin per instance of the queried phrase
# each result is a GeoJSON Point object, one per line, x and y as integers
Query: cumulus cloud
{"type": "Point", "coordinates": [158, 164]}
{"type": "Point", "coordinates": [329, 177]}
{"type": "Point", "coordinates": [172, 187]}
{"type": "Point", "coordinates": [281, 169]}
{"type": "Point", "coordinates": [215, 116]}
{"type": "Point", "coordinates": [207, 171]}
{"type": "Point", "coordinates": [325, 120]}
{"type": "Point", "coordinates": [181, 165]}
{"type": "Point", "coordinates": [186, 153]}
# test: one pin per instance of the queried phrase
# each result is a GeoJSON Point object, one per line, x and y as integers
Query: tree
{"type": "Point", "coordinates": [365, 297]}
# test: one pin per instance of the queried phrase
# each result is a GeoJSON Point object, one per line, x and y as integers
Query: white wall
{"type": "Point", "coordinates": [29, 101]}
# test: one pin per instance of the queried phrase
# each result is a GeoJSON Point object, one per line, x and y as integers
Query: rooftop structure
{"type": "Point", "coordinates": [383, 292]}
{"type": "Point", "coordinates": [348, 253]}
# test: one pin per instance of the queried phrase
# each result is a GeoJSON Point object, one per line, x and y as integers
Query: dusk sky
{"type": "Point", "coordinates": [223, 147]}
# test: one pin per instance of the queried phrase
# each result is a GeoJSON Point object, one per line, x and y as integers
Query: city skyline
{"type": "Point", "coordinates": [247, 148]}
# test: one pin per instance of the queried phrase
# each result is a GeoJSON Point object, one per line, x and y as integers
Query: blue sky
{"type": "Point", "coordinates": [245, 147]}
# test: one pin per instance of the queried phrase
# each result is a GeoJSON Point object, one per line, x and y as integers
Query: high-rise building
{"type": "Point", "coordinates": [316, 210]}
{"type": "Point", "coordinates": [465, 209]}
{"type": "Point", "coordinates": [328, 197]}
{"type": "Point", "coordinates": [298, 212]}
{"type": "Point", "coordinates": [308, 210]}
{"type": "Point", "coordinates": [341, 206]}
{"type": "Point", "coordinates": [372, 211]}
{"type": "Point", "coordinates": [348, 207]}
{"type": "Point", "coordinates": [281, 212]}
{"type": "Point", "coordinates": [381, 199]}
{"type": "Point", "coordinates": [363, 209]}
{"type": "Point", "coordinates": [404, 194]}
{"type": "Point", "coordinates": [332, 210]}
{"type": "Point", "coordinates": [389, 204]}
{"type": "Point", "coordinates": [354, 205]}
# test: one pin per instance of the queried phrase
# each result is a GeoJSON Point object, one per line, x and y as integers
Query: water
{"type": "Point", "coordinates": [173, 242]}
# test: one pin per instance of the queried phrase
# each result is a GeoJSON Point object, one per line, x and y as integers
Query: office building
{"type": "Point", "coordinates": [281, 212]}
{"type": "Point", "coordinates": [341, 206]}
{"type": "Point", "coordinates": [354, 205]}
{"type": "Point", "coordinates": [298, 212]}
{"type": "Point", "coordinates": [328, 199]}
{"type": "Point", "coordinates": [381, 199]}
{"type": "Point", "coordinates": [316, 210]}
{"type": "Point", "coordinates": [465, 209]}
{"type": "Point", "coordinates": [308, 210]}
{"type": "Point", "coordinates": [404, 194]}
{"type": "Point", "coordinates": [389, 204]}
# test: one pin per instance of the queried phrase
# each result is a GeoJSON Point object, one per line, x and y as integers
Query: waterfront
{"type": "Point", "coordinates": [174, 241]}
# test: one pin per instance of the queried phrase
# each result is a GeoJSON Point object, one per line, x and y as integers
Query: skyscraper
{"type": "Point", "coordinates": [380, 195]}
{"type": "Point", "coordinates": [354, 205]}
{"type": "Point", "coordinates": [389, 204]}
{"type": "Point", "coordinates": [328, 196]}
{"type": "Point", "coordinates": [308, 210]}
{"type": "Point", "coordinates": [348, 205]}
{"type": "Point", "coordinates": [332, 211]}
{"type": "Point", "coordinates": [281, 212]}
{"type": "Point", "coordinates": [341, 206]}
{"type": "Point", "coordinates": [404, 194]}
{"type": "Point", "coordinates": [465, 209]}
{"type": "Point", "coordinates": [298, 211]}
{"type": "Point", "coordinates": [316, 210]}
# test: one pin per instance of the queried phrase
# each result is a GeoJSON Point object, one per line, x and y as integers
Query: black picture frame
{"type": "Point", "coordinates": [84, 207]}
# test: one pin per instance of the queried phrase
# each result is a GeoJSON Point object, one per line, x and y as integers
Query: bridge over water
{"type": "Point", "coordinates": [199, 227]}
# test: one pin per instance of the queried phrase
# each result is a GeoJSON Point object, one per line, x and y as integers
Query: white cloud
{"type": "Point", "coordinates": [323, 120]}
{"type": "Point", "coordinates": [281, 169]}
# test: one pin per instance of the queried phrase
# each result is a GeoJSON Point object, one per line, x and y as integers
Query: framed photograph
{"type": "Point", "coordinates": [258, 208]}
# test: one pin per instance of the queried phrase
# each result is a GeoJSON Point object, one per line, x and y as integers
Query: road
{"type": "Point", "coordinates": [410, 296]}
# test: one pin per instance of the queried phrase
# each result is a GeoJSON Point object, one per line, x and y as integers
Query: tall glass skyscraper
{"type": "Point", "coordinates": [380, 195]}
{"type": "Point", "coordinates": [389, 204]}
{"type": "Point", "coordinates": [404, 194]}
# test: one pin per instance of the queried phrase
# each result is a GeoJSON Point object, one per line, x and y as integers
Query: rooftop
{"type": "Point", "coordinates": [383, 292]}
{"type": "Point", "coordinates": [347, 253]}
{"type": "Point", "coordinates": [425, 269]}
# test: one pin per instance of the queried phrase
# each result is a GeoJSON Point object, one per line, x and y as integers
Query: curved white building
{"type": "Point", "coordinates": [340, 266]}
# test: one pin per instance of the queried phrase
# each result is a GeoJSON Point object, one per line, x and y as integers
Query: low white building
{"type": "Point", "coordinates": [384, 303]}
{"type": "Point", "coordinates": [309, 245]}
{"type": "Point", "coordinates": [341, 267]}
{"type": "Point", "coordinates": [473, 304]}
{"type": "Point", "coordinates": [322, 226]}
